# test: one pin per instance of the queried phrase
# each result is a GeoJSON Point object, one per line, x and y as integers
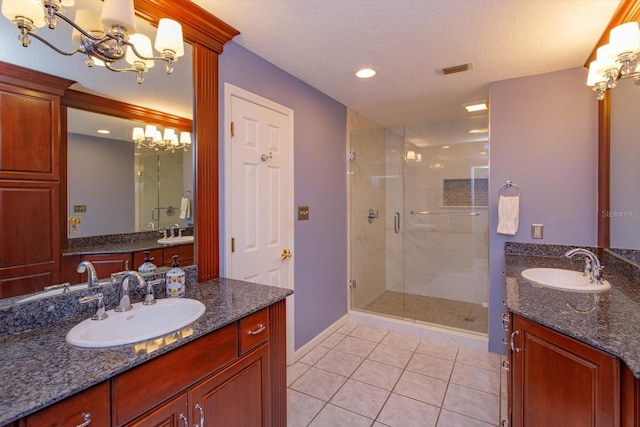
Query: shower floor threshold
{"type": "Point", "coordinates": [459, 315]}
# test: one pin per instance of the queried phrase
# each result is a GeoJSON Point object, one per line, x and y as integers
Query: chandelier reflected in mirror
{"type": "Point", "coordinates": [616, 60]}
{"type": "Point", "coordinates": [152, 138]}
{"type": "Point", "coordinates": [104, 39]}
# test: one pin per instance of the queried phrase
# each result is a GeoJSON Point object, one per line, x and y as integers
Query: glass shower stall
{"type": "Point", "coordinates": [418, 223]}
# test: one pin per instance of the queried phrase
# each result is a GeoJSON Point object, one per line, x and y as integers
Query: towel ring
{"type": "Point", "coordinates": [504, 189]}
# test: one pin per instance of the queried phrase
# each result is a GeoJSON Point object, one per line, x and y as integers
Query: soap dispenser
{"type": "Point", "coordinates": [147, 266]}
{"type": "Point", "coordinates": [175, 278]}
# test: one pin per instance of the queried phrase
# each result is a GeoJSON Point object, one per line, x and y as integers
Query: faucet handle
{"type": "Point", "coordinates": [100, 312]}
{"type": "Point", "coordinates": [588, 267]}
{"type": "Point", "coordinates": [149, 298]}
{"type": "Point", "coordinates": [597, 274]}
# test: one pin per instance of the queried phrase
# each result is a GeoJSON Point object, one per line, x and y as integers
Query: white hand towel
{"type": "Point", "coordinates": [185, 208]}
{"type": "Point", "coordinates": [508, 214]}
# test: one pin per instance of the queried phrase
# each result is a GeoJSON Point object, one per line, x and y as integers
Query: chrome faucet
{"type": "Point", "coordinates": [592, 266]}
{"type": "Point", "coordinates": [124, 302]}
{"type": "Point", "coordinates": [92, 276]}
{"type": "Point", "coordinates": [175, 230]}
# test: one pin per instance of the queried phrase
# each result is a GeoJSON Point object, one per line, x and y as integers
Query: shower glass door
{"type": "Point", "coordinates": [376, 201]}
{"type": "Point", "coordinates": [419, 224]}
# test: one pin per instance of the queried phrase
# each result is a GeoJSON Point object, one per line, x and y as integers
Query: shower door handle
{"type": "Point", "coordinates": [396, 222]}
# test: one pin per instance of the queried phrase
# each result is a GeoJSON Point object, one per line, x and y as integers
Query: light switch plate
{"type": "Point", "coordinates": [79, 208]}
{"type": "Point", "coordinates": [536, 231]}
{"type": "Point", "coordinates": [303, 213]}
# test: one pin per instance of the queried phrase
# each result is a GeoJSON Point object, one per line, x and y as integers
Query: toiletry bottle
{"type": "Point", "coordinates": [175, 280]}
{"type": "Point", "coordinates": [147, 266]}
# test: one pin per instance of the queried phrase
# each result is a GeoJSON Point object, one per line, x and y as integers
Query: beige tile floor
{"type": "Point", "coordinates": [440, 311]}
{"type": "Point", "coordinates": [366, 376]}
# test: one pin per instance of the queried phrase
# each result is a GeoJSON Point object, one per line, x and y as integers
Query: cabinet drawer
{"type": "Point", "coordinates": [155, 254]}
{"type": "Point", "coordinates": [71, 411]}
{"type": "Point", "coordinates": [254, 329]}
{"type": "Point", "coordinates": [184, 252]}
{"type": "Point", "coordinates": [161, 378]}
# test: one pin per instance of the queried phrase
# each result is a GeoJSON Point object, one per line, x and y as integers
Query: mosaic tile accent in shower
{"type": "Point", "coordinates": [465, 192]}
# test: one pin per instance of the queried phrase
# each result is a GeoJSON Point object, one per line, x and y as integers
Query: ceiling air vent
{"type": "Point", "coordinates": [456, 69]}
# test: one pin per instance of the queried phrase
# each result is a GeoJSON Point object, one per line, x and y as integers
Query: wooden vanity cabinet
{"type": "Point", "coordinates": [91, 404]}
{"type": "Point", "coordinates": [172, 413]}
{"type": "Point", "coordinates": [557, 380]}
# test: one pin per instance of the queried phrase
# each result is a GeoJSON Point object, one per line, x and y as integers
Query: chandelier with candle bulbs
{"type": "Point", "coordinates": [619, 59]}
{"type": "Point", "coordinates": [152, 138]}
{"type": "Point", "coordinates": [104, 39]}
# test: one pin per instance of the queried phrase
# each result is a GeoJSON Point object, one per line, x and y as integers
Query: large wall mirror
{"type": "Point", "coordinates": [187, 94]}
{"type": "Point", "coordinates": [619, 151]}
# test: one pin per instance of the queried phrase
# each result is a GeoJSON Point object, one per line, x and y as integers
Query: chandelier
{"type": "Point", "coordinates": [152, 138]}
{"type": "Point", "coordinates": [104, 39]}
{"type": "Point", "coordinates": [616, 60]}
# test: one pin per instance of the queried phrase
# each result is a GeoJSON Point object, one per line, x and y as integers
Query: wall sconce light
{"type": "Point", "coordinates": [152, 138]}
{"type": "Point", "coordinates": [104, 39]}
{"type": "Point", "coordinates": [616, 60]}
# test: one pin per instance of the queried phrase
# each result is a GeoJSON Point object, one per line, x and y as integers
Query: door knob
{"type": "Point", "coordinates": [286, 253]}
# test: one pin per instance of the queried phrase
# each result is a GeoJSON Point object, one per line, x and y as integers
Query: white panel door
{"type": "Point", "coordinates": [260, 204]}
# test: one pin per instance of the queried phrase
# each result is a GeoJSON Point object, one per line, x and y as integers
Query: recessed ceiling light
{"type": "Point", "coordinates": [365, 73]}
{"type": "Point", "coordinates": [446, 146]}
{"type": "Point", "coordinates": [104, 131]}
{"type": "Point", "coordinates": [483, 130]}
{"type": "Point", "coordinates": [478, 106]}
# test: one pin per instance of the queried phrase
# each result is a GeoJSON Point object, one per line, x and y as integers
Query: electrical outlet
{"type": "Point", "coordinates": [536, 231]}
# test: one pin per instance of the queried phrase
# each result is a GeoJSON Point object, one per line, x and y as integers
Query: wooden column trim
{"type": "Point", "coordinates": [278, 360]}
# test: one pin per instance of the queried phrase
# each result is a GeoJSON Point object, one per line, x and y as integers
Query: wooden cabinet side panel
{"type": "Point", "coordinates": [29, 136]}
{"type": "Point", "coordinates": [238, 396]}
{"type": "Point", "coordinates": [70, 412]}
{"type": "Point", "coordinates": [278, 360]}
{"type": "Point", "coordinates": [629, 398]}
{"type": "Point", "coordinates": [562, 381]}
{"type": "Point", "coordinates": [161, 378]}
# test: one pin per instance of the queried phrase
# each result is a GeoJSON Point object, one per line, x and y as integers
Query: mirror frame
{"type": "Point", "coordinates": [109, 107]}
{"type": "Point", "coordinates": [629, 10]}
{"type": "Point", "coordinates": [207, 34]}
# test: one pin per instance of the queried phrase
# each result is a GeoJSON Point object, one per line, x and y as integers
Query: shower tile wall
{"type": "Point", "coordinates": [445, 256]}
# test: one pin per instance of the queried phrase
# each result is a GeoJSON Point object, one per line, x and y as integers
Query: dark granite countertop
{"type": "Point", "coordinates": [612, 326]}
{"type": "Point", "coordinates": [119, 247]}
{"type": "Point", "coordinates": [38, 367]}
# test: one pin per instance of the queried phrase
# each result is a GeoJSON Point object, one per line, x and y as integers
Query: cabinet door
{"type": "Point", "coordinates": [170, 414]}
{"type": "Point", "coordinates": [236, 397]}
{"type": "Point", "coordinates": [91, 404]}
{"type": "Point", "coordinates": [559, 381]}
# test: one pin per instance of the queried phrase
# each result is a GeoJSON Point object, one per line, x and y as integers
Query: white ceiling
{"type": "Point", "coordinates": [323, 43]}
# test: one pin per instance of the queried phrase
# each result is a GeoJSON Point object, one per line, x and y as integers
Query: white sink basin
{"type": "Point", "coordinates": [141, 323]}
{"type": "Point", "coordinates": [175, 240]}
{"type": "Point", "coordinates": [563, 279]}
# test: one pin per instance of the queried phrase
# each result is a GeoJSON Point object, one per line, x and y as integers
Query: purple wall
{"type": "Point", "coordinates": [320, 182]}
{"type": "Point", "coordinates": [544, 139]}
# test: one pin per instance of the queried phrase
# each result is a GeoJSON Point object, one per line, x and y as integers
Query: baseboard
{"type": "Point", "coordinates": [299, 353]}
